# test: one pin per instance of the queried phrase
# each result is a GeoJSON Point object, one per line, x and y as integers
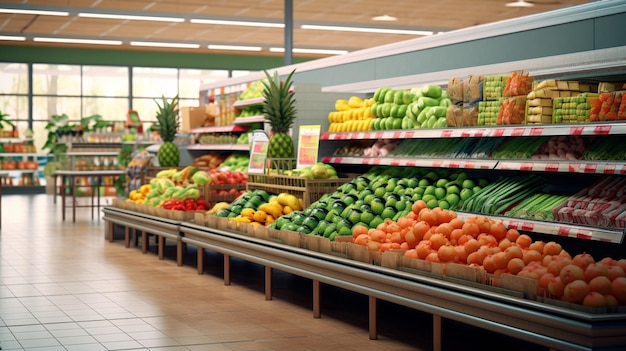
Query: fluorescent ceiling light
{"type": "Point", "coordinates": [235, 47]}
{"type": "Point", "coordinates": [78, 41]}
{"type": "Point", "coordinates": [12, 38]}
{"type": "Point", "coordinates": [367, 30]}
{"type": "Point", "coordinates": [384, 18]}
{"type": "Point", "coordinates": [35, 12]}
{"type": "Point", "coordinates": [312, 51]}
{"type": "Point", "coordinates": [520, 3]}
{"type": "Point", "coordinates": [164, 45]}
{"type": "Point", "coordinates": [238, 23]}
{"type": "Point", "coordinates": [131, 17]}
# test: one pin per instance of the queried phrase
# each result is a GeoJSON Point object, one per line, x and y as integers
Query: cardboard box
{"type": "Point", "coordinates": [191, 117]}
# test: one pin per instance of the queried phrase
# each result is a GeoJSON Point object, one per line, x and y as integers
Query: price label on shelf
{"type": "Point", "coordinates": [609, 169]}
{"type": "Point", "coordinates": [338, 159]}
{"type": "Point", "coordinates": [465, 134]}
{"type": "Point", "coordinates": [518, 131]}
{"type": "Point", "coordinates": [536, 131]}
{"type": "Point", "coordinates": [394, 162]}
{"type": "Point", "coordinates": [454, 164]}
{"type": "Point", "coordinates": [526, 166]}
{"type": "Point", "coordinates": [437, 163]}
{"type": "Point", "coordinates": [469, 165]}
{"type": "Point", "coordinates": [590, 168]}
{"type": "Point", "coordinates": [360, 136]}
{"type": "Point", "coordinates": [513, 225]}
{"type": "Point", "coordinates": [602, 130]}
{"type": "Point", "coordinates": [365, 161]}
{"type": "Point", "coordinates": [563, 231]}
{"type": "Point", "coordinates": [411, 163]}
{"type": "Point", "coordinates": [498, 132]}
{"type": "Point", "coordinates": [528, 226]}
{"type": "Point", "coordinates": [576, 130]}
{"type": "Point", "coordinates": [479, 133]}
{"type": "Point", "coordinates": [376, 161]}
{"type": "Point", "coordinates": [552, 167]}
{"type": "Point", "coordinates": [446, 133]}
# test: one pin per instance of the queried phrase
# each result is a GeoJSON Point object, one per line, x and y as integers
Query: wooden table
{"type": "Point", "coordinates": [72, 175]}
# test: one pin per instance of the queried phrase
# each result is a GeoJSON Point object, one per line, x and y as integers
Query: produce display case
{"type": "Point", "coordinates": [214, 193]}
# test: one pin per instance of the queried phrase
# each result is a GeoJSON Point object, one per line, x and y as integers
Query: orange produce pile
{"type": "Point", "coordinates": [437, 235]}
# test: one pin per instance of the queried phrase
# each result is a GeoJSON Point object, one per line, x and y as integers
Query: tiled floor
{"type": "Point", "coordinates": [63, 287]}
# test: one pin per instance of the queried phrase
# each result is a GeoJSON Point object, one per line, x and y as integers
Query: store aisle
{"type": "Point", "coordinates": [63, 287]}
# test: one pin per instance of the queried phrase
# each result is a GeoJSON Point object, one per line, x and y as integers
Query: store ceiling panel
{"type": "Point", "coordinates": [434, 16]}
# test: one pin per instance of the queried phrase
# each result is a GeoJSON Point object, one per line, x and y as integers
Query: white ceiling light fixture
{"type": "Point", "coordinates": [312, 51]}
{"type": "Point", "coordinates": [77, 41]}
{"type": "Point", "coordinates": [131, 17]}
{"type": "Point", "coordinates": [384, 18]}
{"type": "Point", "coordinates": [34, 12]}
{"type": "Point", "coordinates": [234, 47]}
{"type": "Point", "coordinates": [237, 23]}
{"type": "Point", "coordinates": [12, 38]}
{"type": "Point", "coordinates": [164, 45]}
{"type": "Point", "coordinates": [520, 3]}
{"type": "Point", "coordinates": [367, 30]}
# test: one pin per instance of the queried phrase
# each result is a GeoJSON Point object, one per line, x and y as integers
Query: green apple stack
{"type": "Point", "coordinates": [380, 194]}
{"type": "Point", "coordinates": [390, 107]}
{"type": "Point", "coordinates": [488, 112]}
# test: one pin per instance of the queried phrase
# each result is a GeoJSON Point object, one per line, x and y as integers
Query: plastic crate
{"type": "Point", "coordinates": [309, 190]}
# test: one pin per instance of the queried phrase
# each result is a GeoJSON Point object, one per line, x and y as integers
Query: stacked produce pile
{"type": "Point", "coordinates": [235, 162]}
{"type": "Point", "coordinates": [380, 194]}
{"type": "Point", "coordinates": [562, 147]}
{"type": "Point", "coordinates": [609, 106]}
{"type": "Point", "coordinates": [540, 104]}
{"type": "Point", "coordinates": [488, 112]}
{"type": "Point", "coordinates": [381, 148]}
{"type": "Point", "coordinates": [438, 236]}
{"type": "Point", "coordinates": [221, 185]}
{"type": "Point", "coordinates": [539, 206]}
{"type": "Point", "coordinates": [319, 170]}
{"type": "Point", "coordinates": [603, 204]}
{"type": "Point", "coordinates": [258, 207]}
{"type": "Point", "coordinates": [216, 138]}
{"type": "Point", "coordinates": [253, 91]}
{"type": "Point", "coordinates": [356, 148]}
{"type": "Point", "coordinates": [575, 109]}
{"type": "Point", "coordinates": [607, 148]}
{"type": "Point", "coordinates": [352, 115]}
{"type": "Point", "coordinates": [250, 111]}
{"type": "Point", "coordinates": [503, 193]}
{"type": "Point", "coordinates": [211, 160]}
{"type": "Point", "coordinates": [173, 190]}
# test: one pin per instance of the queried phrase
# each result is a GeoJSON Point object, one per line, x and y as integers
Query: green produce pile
{"type": "Point", "coordinates": [447, 148]}
{"type": "Point", "coordinates": [255, 90]}
{"type": "Point", "coordinates": [235, 162]}
{"type": "Point", "coordinates": [498, 196]}
{"type": "Point", "coordinates": [381, 193]}
{"type": "Point", "coordinates": [538, 206]}
{"type": "Point", "coordinates": [251, 111]}
{"type": "Point", "coordinates": [519, 148]}
{"type": "Point", "coordinates": [607, 148]}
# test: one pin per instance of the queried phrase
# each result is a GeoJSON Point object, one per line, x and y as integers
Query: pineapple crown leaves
{"type": "Point", "coordinates": [167, 117]}
{"type": "Point", "coordinates": [279, 106]}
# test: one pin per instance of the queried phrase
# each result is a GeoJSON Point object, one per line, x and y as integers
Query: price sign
{"type": "Point", "coordinates": [609, 169]}
{"type": "Point", "coordinates": [563, 231]}
{"type": "Point", "coordinates": [479, 133]}
{"type": "Point", "coordinates": [446, 133]}
{"type": "Point", "coordinates": [308, 145]}
{"type": "Point", "coordinates": [454, 164]}
{"type": "Point", "coordinates": [528, 226]}
{"type": "Point", "coordinates": [394, 162]}
{"type": "Point", "coordinates": [498, 132]}
{"type": "Point", "coordinates": [552, 167]}
{"type": "Point", "coordinates": [536, 131]}
{"type": "Point", "coordinates": [602, 130]}
{"type": "Point", "coordinates": [591, 168]}
{"type": "Point", "coordinates": [411, 163]}
{"type": "Point", "coordinates": [576, 130]}
{"type": "Point", "coordinates": [258, 152]}
{"type": "Point", "coordinates": [518, 131]}
{"type": "Point", "coordinates": [465, 134]}
{"type": "Point", "coordinates": [526, 166]}
{"type": "Point", "coordinates": [514, 224]}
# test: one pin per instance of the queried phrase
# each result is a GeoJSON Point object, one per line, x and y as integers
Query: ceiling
{"type": "Point", "coordinates": [432, 15]}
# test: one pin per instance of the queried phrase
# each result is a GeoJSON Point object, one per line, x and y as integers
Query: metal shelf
{"type": "Point", "coordinates": [219, 147]}
{"type": "Point", "coordinates": [249, 120]}
{"type": "Point", "coordinates": [249, 102]}
{"type": "Point", "coordinates": [220, 129]}
{"type": "Point", "coordinates": [480, 132]}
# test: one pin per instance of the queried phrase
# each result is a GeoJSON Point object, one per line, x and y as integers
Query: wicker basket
{"type": "Point", "coordinates": [309, 190]}
{"type": "Point", "coordinates": [214, 193]}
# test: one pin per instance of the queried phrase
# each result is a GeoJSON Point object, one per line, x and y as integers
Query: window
{"type": "Point", "coordinates": [56, 80]}
{"type": "Point", "coordinates": [155, 82]}
{"type": "Point", "coordinates": [14, 91]}
{"type": "Point", "coordinates": [104, 81]}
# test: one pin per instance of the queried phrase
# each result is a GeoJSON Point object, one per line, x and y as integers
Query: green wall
{"type": "Point", "coordinates": [116, 57]}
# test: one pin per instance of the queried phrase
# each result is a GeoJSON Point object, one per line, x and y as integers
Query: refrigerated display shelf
{"type": "Point", "coordinates": [489, 308]}
{"type": "Point", "coordinates": [219, 147]}
{"type": "Point", "coordinates": [219, 129]}
{"type": "Point", "coordinates": [479, 132]}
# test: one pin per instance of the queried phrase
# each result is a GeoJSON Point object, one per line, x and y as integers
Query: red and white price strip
{"type": "Point", "coordinates": [573, 232]}
{"type": "Point", "coordinates": [524, 225]}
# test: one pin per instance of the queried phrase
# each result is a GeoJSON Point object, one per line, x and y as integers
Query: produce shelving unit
{"type": "Point", "coordinates": [218, 147]}
{"type": "Point", "coordinates": [594, 56]}
{"type": "Point", "coordinates": [490, 308]}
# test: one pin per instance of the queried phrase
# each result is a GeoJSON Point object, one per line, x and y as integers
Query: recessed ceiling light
{"type": "Point", "coordinates": [35, 12]}
{"type": "Point", "coordinates": [12, 38]}
{"type": "Point", "coordinates": [237, 23]}
{"type": "Point", "coordinates": [164, 45]}
{"type": "Point", "coordinates": [367, 30]}
{"type": "Point", "coordinates": [130, 17]}
{"type": "Point", "coordinates": [520, 3]}
{"type": "Point", "coordinates": [235, 47]}
{"type": "Point", "coordinates": [312, 51]}
{"type": "Point", "coordinates": [77, 41]}
{"type": "Point", "coordinates": [384, 18]}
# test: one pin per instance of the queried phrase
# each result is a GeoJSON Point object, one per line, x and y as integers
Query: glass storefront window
{"type": "Point", "coordinates": [56, 80]}
{"type": "Point", "coordinates": [13, 78]}
{"type": "Point", "coordinates": [105, 81]}
{"type": "Point", "coordinates": [155, 82]}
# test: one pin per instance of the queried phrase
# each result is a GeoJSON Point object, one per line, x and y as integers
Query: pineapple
{"type": "Point", "coordinates": [279, 109]}
{"type": "Point", "coordinates": [167, 116]}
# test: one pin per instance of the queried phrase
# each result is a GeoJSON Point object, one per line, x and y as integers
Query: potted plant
{"type": "Point", "coordinates": [4, 121]}
{"type": "Point", "coordinates": [57, 127]}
